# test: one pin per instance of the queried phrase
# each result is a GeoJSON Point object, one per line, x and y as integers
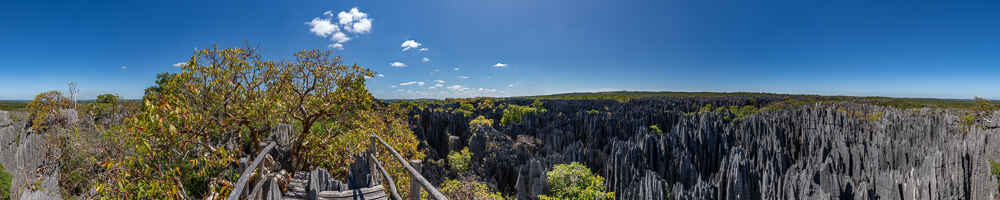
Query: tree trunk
{"type": "Point", "coordinates": [298, 162]}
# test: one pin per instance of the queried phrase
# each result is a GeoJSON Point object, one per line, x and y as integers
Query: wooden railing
{"type": "Point", "coordinates": [416, 180]}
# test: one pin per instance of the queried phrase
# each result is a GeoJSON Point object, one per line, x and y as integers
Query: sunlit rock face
{"type": "Point", "coordinates": [813, 151]}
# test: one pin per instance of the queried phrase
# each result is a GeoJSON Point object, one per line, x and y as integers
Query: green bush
{"type": "Point", "coordinates": [515, 113]}
{"type": "Point", "coordinates": [459, 161]}
{"type": "Point", "coordinates": [455, 189]}
{"type": "Point", "coordinates": [656, 129]}
{"type": "Point", "coordinates": [995, 170]}
{"type": "Point", "coordinates": [575, 182]}
{"type": "Point", "coordinates": [4, 183]}
{"type": "Point", "coordinates": [480, 121]}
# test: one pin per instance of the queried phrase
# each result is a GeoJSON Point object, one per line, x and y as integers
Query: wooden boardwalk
{"type": "Point", "coordinates": [297, 186]}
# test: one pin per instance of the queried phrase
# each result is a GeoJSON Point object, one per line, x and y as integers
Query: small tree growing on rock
{"type": "Point", "coordinates": [45, 107]}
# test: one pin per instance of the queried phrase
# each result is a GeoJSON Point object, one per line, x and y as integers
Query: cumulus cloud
{"type": "Point", "coordinates": [339, 37]}
{"type": "Point", "coordinates": [398, 64]}
{"type": "Point", "coordinates": [124, 67]}
{"type": "Point", "coordinates": [426, 59]}
{"type": "Point", "coordinates": [456, 69]}
{"type": "Point", "coordinates": [355, 21]}
{"type": "Point", "coordinates": [424, 49]}
{"type": "Point", "coordinates": [439, 81]}
{"type": "Point", "coordinates": [180, 64]}
{"type": "Point", "coordinates": [381, 76]}
{"type": "Point", "coordinates": [322, 27]}
{"type": "Point", "coordinates": [409, 44]}
{"type": "Point", "coordinates": [418, 83]}
{"type": "Point", "coordinates": [458, 88]}
{"type": "Point", "coordinates": [487, 90]}
{"type": "Point", "coordinates": [337, 46]}
{"type": "Point", "coordinates": [510, 85]}
{"type": "Point", "coordinates": [464, 77]}
{"type": "Point", "coordinates": [500, 65]}
{"type": "Point", "coordinates": [352, 21]}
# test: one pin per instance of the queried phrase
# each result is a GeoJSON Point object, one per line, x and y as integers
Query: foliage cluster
{"type": "Point", "coordinates": [460, 160]}
{"type": "Point", "coordinates": [515, 113]}
{"type": "Point", "coordinates": [455, 189]}
{"type": "Point", "coordinates": [45, 107]}
{"type": "Point", "coordinates": [656, 129]}
{"type": "Point", "coordinates": [995, 170]}
{"type": "Point", "coordinates": [465, 108]}
{"type": "Point", "coordinates": [13, 105]}
{"type": "Point", "coordinates": [575, 182]}
{"type": "Point", "coordinates": [196, 124]}
{"type": "Point", "coordinates": [481, 121]}
{"type": "Point", "coordinates": [5, 180]}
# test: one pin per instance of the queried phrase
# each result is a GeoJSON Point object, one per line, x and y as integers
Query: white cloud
{"type": "Point", "coordinates": [353, 21]}
{"type": "Point", "coordinates": [124, 67]}
{"type": "Point", "coordinates": [409, 44]}
{"type": "Point", "coordinates": [337, 46]}
{"type": "Point", "coordinates": [464, 77]}
{"type": "Point", "coordinates": [456, 69]}
{"type": "Point", "coordinates": [510, 85]}
{"type": "Point", "coordinates": [381, 75]}
{"type": "Point", "coordinates": [426, 59]}
{"type": "Point", "coordinates": [398, 64]}
{"type": "Point", "coordinates": [418, 83]}
{"type": "Point", "coordinates": [339, 37]}
{"type": "Point", "coordinates": [438, 85]}
{"type": "Point", "coordinates": [487, 90]}
{"type": "Point", "coordinates": [180, 64]}
{"type": "Point", "coordinates": [424, 49]}
{"type": "Point", "coordinates": [500, 65]}
{"type": "Point", "coordinates": [322, 27]}
{"type": "Point", "coordinates": [458, 88]}
{"type": "Point", "coordinates": [362, 26]}
{"type": "Point", "coordinates": [439, 81]}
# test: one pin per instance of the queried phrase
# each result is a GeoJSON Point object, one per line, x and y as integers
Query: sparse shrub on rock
{"type": "Point", "coordinates": [574, 182]}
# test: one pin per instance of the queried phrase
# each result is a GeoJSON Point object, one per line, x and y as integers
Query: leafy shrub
{"type": "Point", "coordinates": [744, 111]}
{"type": "Point", "coordinates": [44, 107]}
{"type": "Point", "coordinates": [515, 113]}
{"type": "Point", "coordinates": [593, 111]}
{"type": "Point", "coordinates": [481, 121]}
{"type": "Point", "coordinates": [460, 161]}
{"type": "Point", "coordinates": [656, 129]}
{"type": "Point", "coordinates": [5, 179]}
{"type": "Point", "coordinates": [995, 170]}
{"type": "Point", "coordinates": [454, 189]}
{"type": "Point", "coordinates": [575, 181]}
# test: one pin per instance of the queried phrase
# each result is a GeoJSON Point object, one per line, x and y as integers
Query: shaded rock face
{"type": "Point", "coordinates": [815, 151]}
{"type": "Point", "coordinates": [25, 157]}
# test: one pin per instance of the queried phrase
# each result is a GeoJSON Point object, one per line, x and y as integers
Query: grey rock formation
{"type": "Point", "coordinates": [813, 151]}
{"type": "Point", "coordinates": [25, 157]}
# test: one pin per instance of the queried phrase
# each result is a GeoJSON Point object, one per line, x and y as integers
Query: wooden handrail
{"type": "Point", "coordinates": [434, 193]}
{"type": "Point", "coordinates": [392, 184]}
{"type": "Point", "coordinates": [245, 176]}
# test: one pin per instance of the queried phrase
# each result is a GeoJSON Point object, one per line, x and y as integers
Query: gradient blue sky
{"type": "Point", "coordinates": [944, 49]}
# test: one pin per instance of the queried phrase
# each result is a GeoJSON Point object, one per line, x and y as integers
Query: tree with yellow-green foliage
{"type": "Point", "coordinates": [45, 106]}
{"type": "Point", "coordinates": [196, 124]}
{"type": "Point", "coordinates": [575, 182]}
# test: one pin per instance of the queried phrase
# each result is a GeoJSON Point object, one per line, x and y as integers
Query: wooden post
{"type": "Point", "coordinates": [414, 185]}
{"type": "Point", "coordinates": [373, 154]}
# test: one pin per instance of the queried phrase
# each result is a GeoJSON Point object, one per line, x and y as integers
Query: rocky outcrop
{"type": "Point", "coordinates": [813, 151]}
{"type": "Point", "coordinates": [25, 157]}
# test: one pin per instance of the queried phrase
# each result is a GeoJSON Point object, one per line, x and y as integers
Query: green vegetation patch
{"type": "Point", "coordinates": [575, 181]}
{"type": "Point", "coordinates": [455, 189]}
{"type": "Point", "coordinates": [5, 179]}
{"type": "Point", "coordinates": [460, 160]}
{"type": "Point", "coordinates": [515, 113]}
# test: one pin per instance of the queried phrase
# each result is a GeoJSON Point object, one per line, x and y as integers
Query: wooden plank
{"type": "Point", "coordinates": [434, 193]}
{"type": "Point", "coordinates": [349, 193]}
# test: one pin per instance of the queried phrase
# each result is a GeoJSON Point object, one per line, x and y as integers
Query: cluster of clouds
{"type": "Point", "coordinates": [352, 22]}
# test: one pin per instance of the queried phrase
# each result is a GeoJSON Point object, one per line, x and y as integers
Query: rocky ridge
{"type": "Point", "coordinates": [832, 150]}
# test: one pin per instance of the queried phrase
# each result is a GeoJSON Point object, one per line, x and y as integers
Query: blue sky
{"type": "Point", "coordinates": [944, 49]}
